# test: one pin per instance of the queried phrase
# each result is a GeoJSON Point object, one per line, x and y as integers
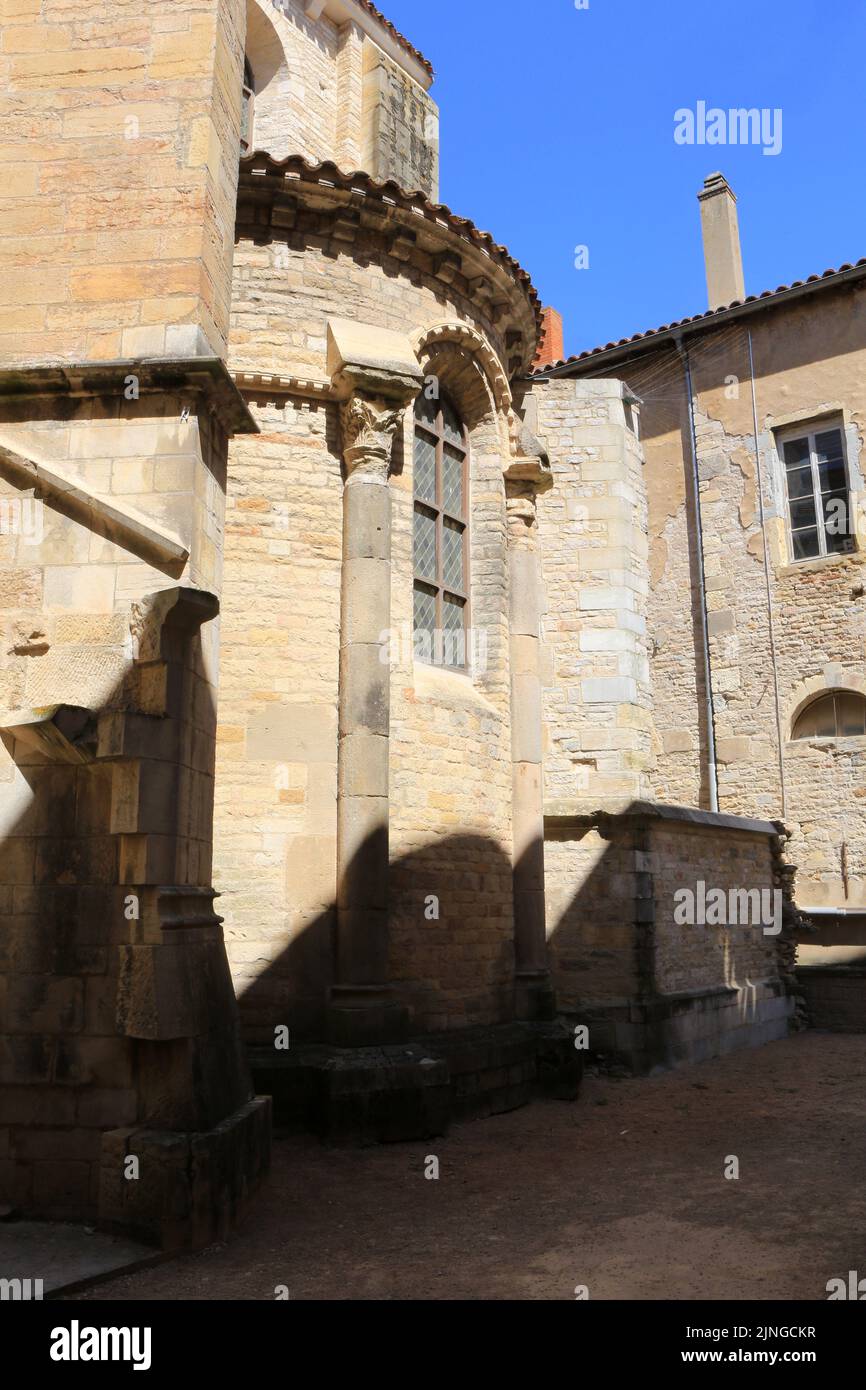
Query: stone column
{"type": "Point", "coordinates": [376, 375]}
{"type": "Point", "coordinates": [524, 479]}
{"type": "Point", "coordinates": [362, 1010]}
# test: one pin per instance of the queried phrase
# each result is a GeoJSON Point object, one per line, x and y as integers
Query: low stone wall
{"type": "Point", "coordinates": [637, 953]}
{"type": "Point", "coordinates": [835, 996]}
{"type": "Point", "coordinates": [415, 1090]}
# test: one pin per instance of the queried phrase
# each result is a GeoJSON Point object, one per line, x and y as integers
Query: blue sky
{"type": "Point", "coordinates": [558, 131]}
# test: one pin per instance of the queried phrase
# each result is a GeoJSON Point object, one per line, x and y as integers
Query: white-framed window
{"type": "Point", "coordinates": [818, 491]}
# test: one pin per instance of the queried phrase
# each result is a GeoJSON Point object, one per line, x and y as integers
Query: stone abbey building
{"type": "Point", "coordinates": [383, 698]}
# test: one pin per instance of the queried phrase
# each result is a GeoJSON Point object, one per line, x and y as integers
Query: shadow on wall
{"type": "Point", "coordinates": [451, 948]}
{"type": "Point", "coordinates": [118, 1010]}
{"type": "Point", "coordinates": [653, 991]}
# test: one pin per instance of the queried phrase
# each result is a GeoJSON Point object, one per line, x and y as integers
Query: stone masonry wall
{"type": "Point", "coordinates": [612, 908]}
{"type": "Point", "coordinates": [401, 126]}
{"type": "Point", "coordinates": [450, 734]}
{"type": "Point", "coordinates": [809, 360]}
{"type": "Point", "coordinates": [699, 957]}
{"type": "Point", "coordinates": [590, 883]}
{"type": "Point", "coordinates": [327, 91]}
{"type": "Point", "coordinates": [592, 527]}
{"type": "Point", "coordinates": [122, 130]}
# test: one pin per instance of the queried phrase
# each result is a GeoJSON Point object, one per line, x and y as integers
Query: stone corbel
{"type": "Point", "coordinates": [526, 477]}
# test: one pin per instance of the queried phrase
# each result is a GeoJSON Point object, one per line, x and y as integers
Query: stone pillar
{"type": "Point", "coordinates": [362, 1009]}
{"type": "Point", "coordinates": [524, 479]}
{"type": "Point", "coordinates": [380, 374]}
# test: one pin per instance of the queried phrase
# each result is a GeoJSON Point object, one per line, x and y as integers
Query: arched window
{"type": "Point", "coordinates": [248, 108]}
{"type": "Point", "coordinates": [839, 714]}
{"type": "Point", "coordinates": [441, 523]}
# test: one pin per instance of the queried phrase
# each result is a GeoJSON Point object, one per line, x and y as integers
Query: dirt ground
{"type": "Point", "coordinates": [623, 1192]}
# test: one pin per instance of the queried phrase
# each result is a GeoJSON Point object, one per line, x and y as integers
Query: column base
{"type": "Point", "coordinates": [365, 1016]}
{"type": "Point", "coordinates": [534, 997]}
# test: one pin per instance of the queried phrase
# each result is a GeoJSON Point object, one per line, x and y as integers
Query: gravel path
{"type": "Point", "coordinates": [623, 1192]}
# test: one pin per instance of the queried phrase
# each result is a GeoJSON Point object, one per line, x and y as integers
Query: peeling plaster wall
{"type": "Point", "coordinates": [810, 361]}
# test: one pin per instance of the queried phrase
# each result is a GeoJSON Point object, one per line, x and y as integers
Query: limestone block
{"type": "Point", "coordinates": [609, 690]}
{"type": "Point", "coordinates": [293, 733]}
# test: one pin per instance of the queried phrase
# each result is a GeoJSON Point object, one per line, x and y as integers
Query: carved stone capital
{"type": "Point", "coordinates": [369, 427]}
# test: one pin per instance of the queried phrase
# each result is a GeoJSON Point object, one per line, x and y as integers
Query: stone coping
{"type": "Point", "coordinates": [563, 815]}
{"type": "Point", "coordinates": [206, 376]}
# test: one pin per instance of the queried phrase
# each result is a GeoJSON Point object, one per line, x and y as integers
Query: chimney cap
{"type": "Point", "coordinates": [715, 184]}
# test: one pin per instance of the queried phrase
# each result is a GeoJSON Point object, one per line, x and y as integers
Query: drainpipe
{"type": "Point", "coordinates": [712, 766]}
{"type": "Point", "coordinates": [770, 613]}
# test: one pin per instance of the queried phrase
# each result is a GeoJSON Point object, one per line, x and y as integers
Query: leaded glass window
{"type": "Point", "coordinates": [441, 541]}
{"type": "Point", "coordinates": [247, 109]}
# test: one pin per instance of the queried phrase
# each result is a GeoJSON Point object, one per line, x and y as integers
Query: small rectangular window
{"type": "Point", "coordinates": [820, 521]}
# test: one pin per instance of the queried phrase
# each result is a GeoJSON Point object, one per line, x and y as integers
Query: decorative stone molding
{"type": "Point", "coordinates": [425, 340]}
{"type": "Point", "coordinates": [325, 202]}
{"type": "Point", "coordinates": [205, 377]}
{"type": "Point", "coordinates": [368, 435]}
{"type": "Point", "coordinates": [274, 386]}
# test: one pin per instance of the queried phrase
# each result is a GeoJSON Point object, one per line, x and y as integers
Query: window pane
{"type": "Point", "coordinates": [451, 426]}
{"type": "Point", "coordinates": [806, 724]}
{"type": "Point", "coordinates": [453, 631]}
{"type": "Point", "coordinates": [424, 620]}
{"type": "Point", "coordinates": [452, 555]}
{"type": "Point", "coordinates": [427, 411]}
{"type": "Point", "coordinates": [806, 545]}
{"type": "Point", "coordinates": [832, 476]}
{"type": "Point", "coordinates": [803, 514]}
{"type": "Point", "coordinates": [425, 545]}
{"type": "Point", "coordinates": [818, 721]}
{"type": "Point", "coordinates": [800, 483]}
{"type": "Point", "coordinates": [452, 481]}
{"type": "Point", "coordinates": [425, 467]}
{"type": "Point", "coordinates": [828, 446]}
{"type": "Point", "coordinates": [850, 714]}
{"type": "Point", "coordinates": [835, 508]}
{"type": "Point", "coordinates": [796, 452]}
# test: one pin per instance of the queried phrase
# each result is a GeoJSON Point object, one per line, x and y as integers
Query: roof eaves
{"type": "Point", "coordinates": [653, 337]}
{"type": "Point", "coordinates": [397, 36]}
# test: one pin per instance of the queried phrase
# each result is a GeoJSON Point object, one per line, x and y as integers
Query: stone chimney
{"type": "Point", "coordinates": [550, 348]}
{"type": "Point", "coordinates": [722, 256]}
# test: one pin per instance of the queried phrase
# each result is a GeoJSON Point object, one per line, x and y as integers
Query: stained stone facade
{"type": "Point", "coordinates": [260, 832]}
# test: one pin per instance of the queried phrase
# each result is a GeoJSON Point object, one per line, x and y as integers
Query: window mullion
{"type": "Point", "coordinates": [816, 494]}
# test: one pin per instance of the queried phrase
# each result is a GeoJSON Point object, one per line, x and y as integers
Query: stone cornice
{"type": "Point", "coordinates": [570, 815]}
{"type": "Point", "coordinates": [284, 198]}
{"type": "Point", "coordinates": [207, 377]}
